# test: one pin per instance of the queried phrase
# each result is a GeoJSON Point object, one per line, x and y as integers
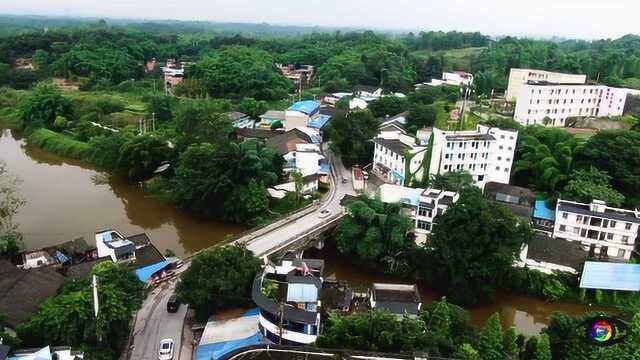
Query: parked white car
{"type": "Point", "coordinates": [166, 349]}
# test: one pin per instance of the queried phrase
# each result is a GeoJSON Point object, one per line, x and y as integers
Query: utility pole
{"type": "Point", "coordinates": [96, 305]}
{"type": "Point", "coordinates": [281, 322]}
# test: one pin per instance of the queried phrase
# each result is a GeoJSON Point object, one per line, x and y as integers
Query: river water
{"type": "Point", "coordinates": [67, 199]}
{"type": "Point", "coordinates": [528, 315]}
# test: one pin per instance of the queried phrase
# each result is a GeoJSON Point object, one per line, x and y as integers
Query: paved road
{"type": "Point", "coordinates": [275, 239]}
{"type": "Point", "coordinates": [154, 323]}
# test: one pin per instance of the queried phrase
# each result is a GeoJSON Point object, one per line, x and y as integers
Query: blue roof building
{"type": "Point", "coordinates": [308, 107]}
{"type": "Point", "coordinates": [610, 276]}
{"type": "Point", "coordinates": [542, 211]}
{"type": "Point", "coordinates": [222, 337]}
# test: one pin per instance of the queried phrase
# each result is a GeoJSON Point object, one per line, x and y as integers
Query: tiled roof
{"type": "Point", "coordinates": [286, 142]}
{"type": "Point", "coordinates": [556, 251]}
{"type": "Point", "coordinates": [22, 291]}
{"type": "Point", "coordinates": [396, 146]}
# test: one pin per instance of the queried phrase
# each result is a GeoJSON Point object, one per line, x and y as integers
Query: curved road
{"type": "Point", "coordinates": [281, 236]}
{"type": "Point", "coordinates": [154, 323]}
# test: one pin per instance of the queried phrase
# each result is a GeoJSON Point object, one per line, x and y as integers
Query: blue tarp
{"type": "Point", "coordinates": [62, 258]}
{"type": "Point", "coordinates": [324, 168]}
{"type": "Point", "coordinates": [145, 273]}
{"type": "Point", "coordinates": [319, 122]}
{"type": "Point", "coordinates": [307, 106]}
{"type": "Point", "coordinates": [541, 211]}
{"type": "Point", "coordinates": [610, 276]}
{"type": "Point", "coordinates": [215, 351]}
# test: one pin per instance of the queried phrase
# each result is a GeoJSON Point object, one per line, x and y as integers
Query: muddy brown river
{"type": "Point", "coordinates": [66, 199]}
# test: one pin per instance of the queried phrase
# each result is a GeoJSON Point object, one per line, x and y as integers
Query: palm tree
{"type": "Point", "coordinates": [545, 157]}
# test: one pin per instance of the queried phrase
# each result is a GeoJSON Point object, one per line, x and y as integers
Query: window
{"type": "Point", "coordinates": [423, 211]}
{"type": "Point", "coordinates": [576, 230]}
{"type": "Point", "coordinates": [565, 215]}
{"type": "Point", "coordinates": [446, 156]}
{"type": "Point", "coordinates": [605, 223]}
{"type": "Point", "coordinates": [627, 226]}
{"type": "Point", "coordinates": [621, 253]}
{"type": "Point", "coordinates": [423, 225]}
{"type": "Point", "coordinates": [506, 170]}
{"type": "Point", "coordinates": [497, 168]}
{"type": "Point", "coordinates": [501, 147]}
{"type": "Point", "coordinates": [563, 228]}
{"type": "Point", "coordinates": [579, 218]}
{"type": "Point", "coordinates": [499, 158]}
{"type": "Point", "coordinates": [609, 236]}
{"type": "Point", "coordinates": [613, 223]}
{"type": "Point", "coordinates": [480, 177]}
{"type": "Point", "coordinates": [625, 240]}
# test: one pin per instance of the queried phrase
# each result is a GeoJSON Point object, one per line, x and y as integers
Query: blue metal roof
{"type": "Point", "coordinates": [145, 273]}
{"type": "Point", "coordinates": [541, 211]}
{"type": "Point", "coordinates": [324, 168]}
{"type": "Point", "coordinates": [319, 122]}
{"type": "Point", "coordinates": [610, 276]}
{"type": "Point", "coordinates": [307, 106]}
{"type": "Point", "coordinates": [216, 350]}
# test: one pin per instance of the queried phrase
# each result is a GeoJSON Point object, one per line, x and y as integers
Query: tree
{"type": "Point", "coordinates": [351, 135]}
{"type": "Point", "coordinates": [475, 243]}
{"type": "Point", "coordinates": [545, 158]}
{"type": "Point", "coordinates": [421, 115]}
{"type": "Point", "coordinates": [45, 103]}
{"type": "Point", "coordinates": [490, 346]}
{"type": "Point", "coordinates": [591, 184]}
{"type": "Point", "coordinates": [218, 279]}
{"type": "Point", "coordinates": [502, 123]}
{"type": "Point", "coordinates": [208, 175]}
{"type": "Point", "coordinates": [618, 153]}
{"type": "Point", "coordinates": [252, 107]}
{"type": "Point", "coordinates": [10, 204]}
{"type": "Point", "coordinates": [277, 125]}
{"type": "Point", "coordinates": [456, 181]}
{"type": "Point", "coordinates": [160, 107]}
{"type": "Point", "coordinates": [104, 150]}
{"type": "Point", "coordinates": [509, 344]}
{"type": "Point", "coordinates": [543, 349]}
{"type": "Point", "coordinates": [237, 72]}
{"type": "Point", "coordinates": [374, 231]}
{"type": "Point", "coordinates": [378, 331]}
{"type": "Point", "coordinates": [68, 318]}
{"type": "Point", "coordinates": [201, 121]}
{"type": "Point", "coordinates": [140, 156]}
{"type": "Point", "coordinates": [387, 106]}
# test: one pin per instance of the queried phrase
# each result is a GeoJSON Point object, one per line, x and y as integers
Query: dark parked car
{"type": "Point", "coordinates": [173, 304]}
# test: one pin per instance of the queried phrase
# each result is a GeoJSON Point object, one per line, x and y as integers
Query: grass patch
{"type": "Point", "coordinates": [59, 144]}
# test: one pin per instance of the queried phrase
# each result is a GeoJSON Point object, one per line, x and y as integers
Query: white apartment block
{"type": "Point", "coordinates": [518, 77]}
{"type": "Point", "coordinates": [557, 102]}
{"type": "Point", "coordinates": [607, 230]}
{"type": "Point", "coordinates": [486, 153]}
{"type": "Point", "coordinates": [423, 206]}
{"type": "Point", "coordinates": [392, 148]}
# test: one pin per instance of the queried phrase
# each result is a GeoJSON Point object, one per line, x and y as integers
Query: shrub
{"type": "Point", "coordinates": [59, 144]}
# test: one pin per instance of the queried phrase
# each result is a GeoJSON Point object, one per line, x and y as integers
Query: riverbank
{"type": "Point", "coordinates": [67, 199]}
{"type": "Point", "coordinates": [528, 314]}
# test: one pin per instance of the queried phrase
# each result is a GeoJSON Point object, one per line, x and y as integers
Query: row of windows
{"type": "Point", "coordinates": [424, 225]}
{"type": "Point", "coordinates": [595, 235]}
{"type": "Point", "coordinates": [562, 111]}
{"type": "Point", "coordinates": [573, 91]}
{"type": "Point", "coordinates": [596, 221]}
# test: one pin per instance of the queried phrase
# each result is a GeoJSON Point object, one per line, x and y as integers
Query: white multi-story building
{"type": "Point", "coordinates": [550, 104]}
{"type": "Point", "coordinates": [485, 153]}
{"type": "Point", "coordinates": [398, 154]}
{"type": "Point", "coordinates": [606, 230]}
{"type": "Point", "coordinates": [423, 206]}
{"type": "Point", "coordinates": [518, 77]}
